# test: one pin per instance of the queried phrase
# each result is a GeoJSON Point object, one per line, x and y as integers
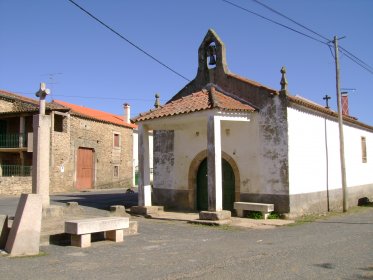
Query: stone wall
{"type": "Point", "coordinates": [5, 106]}
{"type": "Point", "coordinates": [85, 133]}
{"type": "Point", "coordinates": [15, 185]}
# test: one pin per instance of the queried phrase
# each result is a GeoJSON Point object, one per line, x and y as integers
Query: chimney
{"type": "Point", "coordinates": [344, 101]}
{"type": "Point", "coordinates": [127, 112]}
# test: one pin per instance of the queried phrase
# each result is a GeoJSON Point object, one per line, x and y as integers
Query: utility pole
{"type": "Point", "coordinates": [340, 122]}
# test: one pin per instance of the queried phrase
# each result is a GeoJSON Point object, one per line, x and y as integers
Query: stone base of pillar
{"type": "Point", "coordinates": [215, 215]}
{"type": "Point", "coordinates": [145, 210]}
{"type": "Point", "coordinates": [53, 211]}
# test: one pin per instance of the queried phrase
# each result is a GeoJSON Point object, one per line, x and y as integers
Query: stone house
{"type": "Point", "coordinates": [89, 149]}
{"type": "Point", "coordinates": [224, 138]}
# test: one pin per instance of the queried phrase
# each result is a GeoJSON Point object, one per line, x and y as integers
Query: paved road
{"type": "Point", "coordinates": [336, 248]}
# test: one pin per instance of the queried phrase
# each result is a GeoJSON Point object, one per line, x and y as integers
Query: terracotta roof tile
{"type": "Point", "coordinates": [95, 114]}
{"type": "Point", "coordinates": [198, 101]}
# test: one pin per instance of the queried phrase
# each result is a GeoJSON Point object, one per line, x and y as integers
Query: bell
{"type": "Point", "coordinates": [212, 60]}
{"type": "Point", "coordinates": [211, 53]}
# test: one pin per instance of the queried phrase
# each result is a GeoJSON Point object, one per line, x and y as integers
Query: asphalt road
{"type": "Point", "coordinates": [339, 247]}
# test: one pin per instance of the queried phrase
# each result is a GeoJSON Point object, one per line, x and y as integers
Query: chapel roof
{"type": "Point", "coordinates": [199, 101]}
{"type": "Point", "coordinates": [94, 114]}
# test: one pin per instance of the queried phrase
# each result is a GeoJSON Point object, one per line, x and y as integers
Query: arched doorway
{"type": "Point", "coordinates": [228, 185]}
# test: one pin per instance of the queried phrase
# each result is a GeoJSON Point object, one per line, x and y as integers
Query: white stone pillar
{"type": "Point", "coordinates": [214, 169]}
{"type": "Point", "coordinates": [40, 157]}
{"type": "Point", "coordinates": [41, 124]}
{"type": "Point", "coordinates": [144, 189]}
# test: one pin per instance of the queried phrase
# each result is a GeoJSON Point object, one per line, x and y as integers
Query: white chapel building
{"type": "Point", "coordinates": [224, 138]}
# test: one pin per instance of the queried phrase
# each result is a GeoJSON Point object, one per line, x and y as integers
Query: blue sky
{"type": "Point", "coordinates": [86, 64]}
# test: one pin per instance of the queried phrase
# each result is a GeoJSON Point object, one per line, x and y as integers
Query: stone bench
{"type": "Point", "coordinates": [251, 206]}
{"type": "Point", "coordinates": [81, 230]}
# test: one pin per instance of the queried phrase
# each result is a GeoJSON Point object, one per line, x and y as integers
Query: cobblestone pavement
{"type": "Point", "coordinates": [339, 247]}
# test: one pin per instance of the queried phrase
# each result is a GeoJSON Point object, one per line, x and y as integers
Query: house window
{"type": "Point", "coordinates": [60, 123]}
{"type": "Point", "coordinates": [116, 171]}
{"type": "Point", "coordinates": [364, 150]}
{"type": "Point", "coordinates": [116, 140]}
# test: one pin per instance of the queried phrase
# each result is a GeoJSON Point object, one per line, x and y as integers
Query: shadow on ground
{"type": "Point", "coordinates": [97, 200]}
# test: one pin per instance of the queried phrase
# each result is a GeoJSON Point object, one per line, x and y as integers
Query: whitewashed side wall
{"type": "Point", "coordinates": [314, 139]}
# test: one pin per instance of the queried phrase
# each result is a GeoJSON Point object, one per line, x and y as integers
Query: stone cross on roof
{"type": "Point", "coordinates": [42, 93]}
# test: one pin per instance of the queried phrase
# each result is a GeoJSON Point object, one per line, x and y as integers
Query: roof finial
{"type": "Point", "coordinates": [157, 104]}
{"type": "Point", "coordinates": [284, 82]}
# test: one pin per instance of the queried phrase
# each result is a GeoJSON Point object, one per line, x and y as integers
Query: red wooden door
{"type": "Point", "coordinates": [85, 168]}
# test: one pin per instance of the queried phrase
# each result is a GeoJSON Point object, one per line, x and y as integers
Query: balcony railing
{"type": "Point", "coordinates": [15, 171]}
{"type": "Point", "coordinates": [13, 140]}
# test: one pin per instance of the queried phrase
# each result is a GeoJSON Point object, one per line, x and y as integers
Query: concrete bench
{"type": "Point", "coordinates": [251, 206]}
{"type": "Point", "coordinates": [81, 230]}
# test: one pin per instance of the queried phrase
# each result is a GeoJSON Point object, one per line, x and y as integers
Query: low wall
{"type": "Point", "coordinates": [15, 185]}
{"type": "Point", "coordinates": [303, 204]}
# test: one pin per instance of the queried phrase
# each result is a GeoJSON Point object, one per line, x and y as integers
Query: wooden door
{"type": "Point", "coordinates": [228, 186]}
{"type": "Point", "coordinates": [85, 169]}
{"type": "Point", "coordinates": [202, 191]}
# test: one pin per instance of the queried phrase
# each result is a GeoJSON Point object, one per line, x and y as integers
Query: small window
{"type": "Point", "coordinates": [364, 150]}
{"type": "Point", "coordinates": [116, 139]}
{"type": "Point", "coordinates": [116, 171]}
{"type": "Point", "coordinates": [60, 123]}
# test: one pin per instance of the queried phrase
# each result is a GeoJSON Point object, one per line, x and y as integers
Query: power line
{"type": "Point", "coordinates": [348, 54]}
{"type": "Point", "coordinates": [357, 59]}
{"type": "Point", "coordinates": [128, 41]}
{"type": "Point", "coordinates": [91, 97]}
{"type": "Point", "coordinates": [273, 21]}
{"type": "Point", "coordinates": [297, 23]}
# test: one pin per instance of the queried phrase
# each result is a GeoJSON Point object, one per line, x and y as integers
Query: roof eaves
{"type": "Point", "coordinates": [73, 113]}
{"type": "Point", "coordinates": [329, 112]}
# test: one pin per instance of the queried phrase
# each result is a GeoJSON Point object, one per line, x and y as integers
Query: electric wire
{"type": "Point", "coordinates": [128, 41]}
{"type": "Point", "coordinates": [356, 58]}
{"type": "Point", "coordinates": [293, 21]}
{"type": "Point", "coordinates": [356, 61]}
{"type": "Point", "coordinates": [90, 97]}
{"type": "Point", "coordinates": [273, 21]}
{"type": "Point", "coordinates": [348, 54]}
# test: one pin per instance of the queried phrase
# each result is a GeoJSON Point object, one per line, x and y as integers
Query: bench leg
{"type": "Point", "coordinates": [265, 215]}
{"type": "Point", "coordinates": [115, 235]}
{"type": "Point", "coordinates": [82, 241]}
{"type": "Point", "coordinates": [239, 213]}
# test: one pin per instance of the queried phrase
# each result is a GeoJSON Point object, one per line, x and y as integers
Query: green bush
{"type": "Point", "coordinates": [256, 215]}
{"type": "Point", "coordinates": [274, 215]}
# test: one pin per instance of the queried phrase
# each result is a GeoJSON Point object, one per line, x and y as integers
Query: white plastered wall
{"type": "Point", "coordinates": [308, 156]}
{"type": "Point", "coordinates": [239, 141]}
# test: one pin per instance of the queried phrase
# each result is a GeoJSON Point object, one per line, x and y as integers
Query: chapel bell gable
{"type": "Point", "coordinates": [211, 55]}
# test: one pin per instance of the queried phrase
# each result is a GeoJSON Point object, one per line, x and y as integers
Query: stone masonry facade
{"type": "Point", "coordinates": [98, 136]}
{"type": "Point", "coordinates": [112, 164]}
